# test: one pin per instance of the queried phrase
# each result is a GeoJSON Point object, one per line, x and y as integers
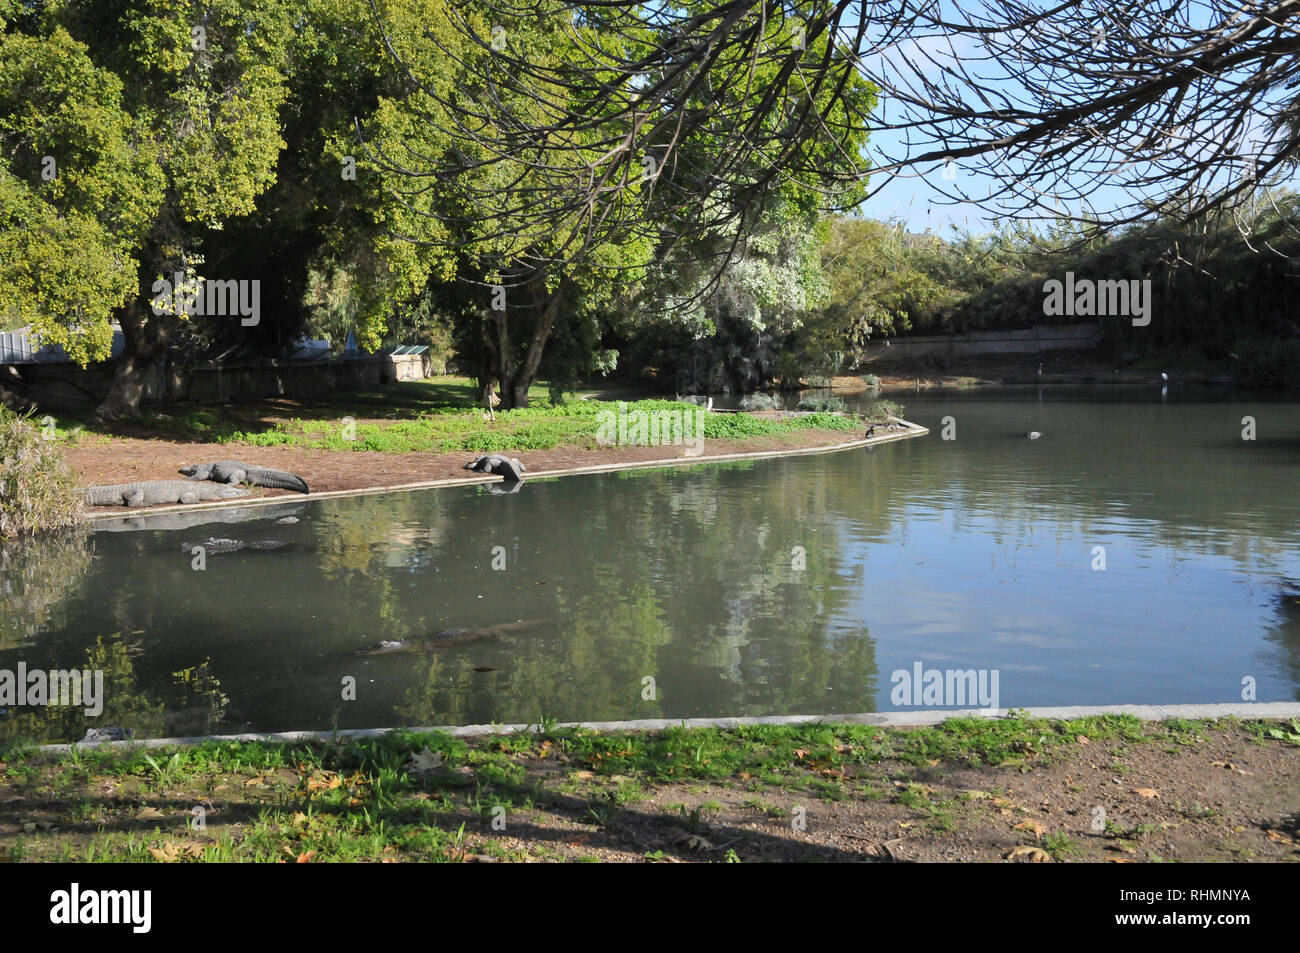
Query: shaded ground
{"type": "Point", "coordinates": [1013, 789]}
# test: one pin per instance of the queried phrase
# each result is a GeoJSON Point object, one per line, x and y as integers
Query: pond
{"type": "Point", "coordinates": [1139, 552]}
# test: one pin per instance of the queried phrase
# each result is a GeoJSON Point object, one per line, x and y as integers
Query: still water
{"type": "Point", "coordinates": [979, 552]}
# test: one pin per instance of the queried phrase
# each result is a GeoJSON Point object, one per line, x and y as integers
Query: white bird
{"type": "Point", "coordinates": [1164, 376]}
{"type": "Point", "coordinates": [1040, 370]}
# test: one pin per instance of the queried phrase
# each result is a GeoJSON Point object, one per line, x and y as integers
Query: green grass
{"type": "Point", "coordinates": [362, 801]}
{"type": "Point", "coordinates": [437, 416]}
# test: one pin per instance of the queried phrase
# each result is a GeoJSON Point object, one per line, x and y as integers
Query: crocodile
{"type": "Point", "coordinates": [151, 492]}
{"type": "Point", "coordinates": [232, 471]}
{"type": "Point", "coordinates": [214, 545]}
{"type": "Point", "coordinates": [446, 638]}
{"type": "Point", "coordinates": [508, 467]}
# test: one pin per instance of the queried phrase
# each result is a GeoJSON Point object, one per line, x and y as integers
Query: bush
{"type": "Point", "coordinates": [1267, 364]}
{"type": "Point", "coordinates": [37, 490]}
{"type": "Point", "coordinates": [882, 409]}
{"type": "Point", "coordinates": [871, 380]}
{"type": "Point", "coordinates": [821, 404]}
{"type": "Point", "coordinates": [759, 402]}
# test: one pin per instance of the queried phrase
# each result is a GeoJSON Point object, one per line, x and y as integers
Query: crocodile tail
{"type": "Point", "coordinates": [279, 480]}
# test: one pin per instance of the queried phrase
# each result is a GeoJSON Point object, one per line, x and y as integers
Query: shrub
{"type": "Point", "coordinates": [759, 402]}
{"type": "Point", "coordinates": [882, 409]}
{"type": "Point", "coordinates": [822, 404]}
{"type": "Point", "coordinates": [1267, 364]}
{"type": "Point", "coordinates": [871, 380]}
{"type": "Point", "coordinates": [37, 490]}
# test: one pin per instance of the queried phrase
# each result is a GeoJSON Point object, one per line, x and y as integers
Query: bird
{"type": "Point", "coordinates": [1033, 435]}
{"type": "Point", "coordinates": [1040, 369]}
{"type": "Point", "coordinates": [1164, 376]}
{"type": "Point", "coordinates": [871, 431]}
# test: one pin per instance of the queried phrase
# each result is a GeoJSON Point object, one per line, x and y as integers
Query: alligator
{"type": "Point", "coordinates": [446, 638]}
{"type": "Point", "coordinates": [151, 492]}
{"type": "Point", "coordinates": [214, 545]}
{"type": "Point", "coordinates": [232, 471]}
{"type": "Point", "coordinates": [508, 467]}
{"type": "Point", "coordinates": [95, 736]}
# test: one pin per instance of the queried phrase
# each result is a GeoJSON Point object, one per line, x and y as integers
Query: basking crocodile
{"type": "Point", "coordinates": [446, 638]}
{"type": "Point", "coordinates": [152, 492]}
{"type": "Point", "coordinates": [232, 471]}
{"type": "Point", "coordinates": [509, 467]}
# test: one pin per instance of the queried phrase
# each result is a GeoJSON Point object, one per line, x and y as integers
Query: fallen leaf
{"type": "Point", "coordinates": [299, 819]}
{"type": "Point", "coordinates": [978, 796]}
{"type": "Point", "coordinates": [1082, 739]}
{"type": "Point", "coordinates": [693, 841]}
{"type": "Point", "coordinates": [424, 762]}
{"type": "Point", "coordinates": [1033, 827]}
{"type": "Point", "coordinates": [800, 752]}
{"type": "Point", "coordinates": [1229, 766]}
{"type": "Point", "coordinates": [165, 854]}
{"type": "Point", "coordinates": [1146, 792]}
{"type": "Point", "coordinates": [305, 857]}
{"type": "Point", "coordinates": [1026, 854]}
{"type": "Point", "coordinates": [584, 775]}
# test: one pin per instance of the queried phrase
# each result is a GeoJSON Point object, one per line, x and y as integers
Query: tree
{"type": "Point", "coordinates": [77, 192]}
{"type": "Point", "coordinates": [162, 120]}
{"type": "Point", "coordinates": [576, 161]}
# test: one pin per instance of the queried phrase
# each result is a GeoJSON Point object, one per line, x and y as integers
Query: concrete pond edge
{"type": "Point", "coordinates": [888, 719]}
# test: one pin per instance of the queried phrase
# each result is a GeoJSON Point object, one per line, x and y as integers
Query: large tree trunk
{"type": "Point", "coordinates": [144, 340]}
{"type": "Point", "coordinates": [549, 308]}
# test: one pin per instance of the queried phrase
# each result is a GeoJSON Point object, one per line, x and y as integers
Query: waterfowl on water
{"type": "Point", "coordinates": [1033, 435]}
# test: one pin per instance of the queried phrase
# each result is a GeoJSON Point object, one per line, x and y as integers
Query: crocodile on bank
{"type": "Point", "coordinates": [154, 492]}
{"type": "Point", "coordinates": [447, 638]}
{"type": "Point", "coordinates": [232, 471]}
{"type": "Point", "coordinates": [512, 468]}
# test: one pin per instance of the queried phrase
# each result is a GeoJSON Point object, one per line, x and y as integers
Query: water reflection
{"type": "Point", "coordinates": [764, 587]}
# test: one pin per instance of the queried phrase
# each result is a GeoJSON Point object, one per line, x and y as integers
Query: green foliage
{"type": "Point", "coordinates": [37, 489]}
{"type": "Point", "coordinates": [77, 188]}
{"type": "Point", "coordinates": [1263, 363]}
